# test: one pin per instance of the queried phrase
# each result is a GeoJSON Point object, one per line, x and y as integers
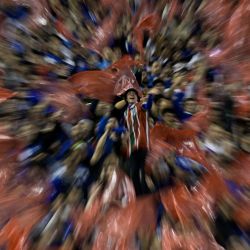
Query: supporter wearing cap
{"type": "Point", "coordinates": [136, 121]}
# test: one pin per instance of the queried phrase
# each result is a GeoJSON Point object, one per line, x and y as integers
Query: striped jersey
{"type": "Point", "coordinates": [136, 120]}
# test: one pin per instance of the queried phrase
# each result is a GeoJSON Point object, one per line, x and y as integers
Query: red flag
{"type": "Point", "coordinates": [242, 216]}
{"type": "Point", "coordinates": [174, 9]}
{"type": "Point", "coordinates": [237, 32]}
{"type": "Point", "coordinates": [216, 13]}
{"type": "Point", "coordinates": [62, 29]}
{"type": "Point", "coordinates": [103, 34]}
{"type": "Point", "coordinates": [94, 84]}
{"type": "Point", "coordinates": [239, 169]}
{"type": "Point", "coordinates": [63, 98]}
{"type": "Point", "coordinates": [104, 85]}
{"type": "Point", "coordinates": [182, 140]}
{"type": "Point", "coordinates": [242, 106]}
{"type": "Point", "coordinates": [125, 78]}
{"type": "Point", "coordinates": [149, 23]}
{"type": "Point", "coordinates": [5, 94]}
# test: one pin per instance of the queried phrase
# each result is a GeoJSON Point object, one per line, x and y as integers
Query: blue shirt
{"type": "Point", "coordinates": [17, 47]}
{"type": "Point", "coordinates": [177, 102]}
{"type": "Point", "coordinates": [34, 96]}
{"type": "Point", "coordinates": [101, 127]}
{"type": "Point", "coordinates": [53, 58]}
{"type": "Point", "coordinates": [103, 64]}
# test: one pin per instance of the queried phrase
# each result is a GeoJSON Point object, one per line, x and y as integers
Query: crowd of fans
{"type": "Point", "coordinates": [85, 159]}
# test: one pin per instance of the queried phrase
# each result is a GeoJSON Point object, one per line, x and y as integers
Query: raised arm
{"type": "Point", "coordinates": [99, 148]}
{"type": "Point", "coordinates": [121, 104]}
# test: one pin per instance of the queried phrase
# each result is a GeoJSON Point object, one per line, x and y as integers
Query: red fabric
{"type": "Point", "coordinates": [198, 122]}
{"type": "Point", "coordinates": [158, 150]}
{"type": "Point", "coordinates": [8, 144]}
{"type": "Point", "coordinates": [239, 169]}
{"type": "Point", "coordinates": [2, 20]}
{"type": "Point", "coordinates": [235, 47]}
{"type": "Point", "coordinates": [144, 9]}
{"type": "Point", "coordinates": [123, 63]}
{"type": "Point", "coordinates": [216, 13]}
{"type": "Point", "coordinates": [103, 34]}
{"type": "Point", "coordinates": [242, 106]}
{"type": "Point", "coordinates": [42, 69]}
{"type": "Point", "coordinates": [126, 81]}
{"type": "Point", "coordinates": [190, 240]}
{"type": "Point", "coordinates": [177, 201]}
{"type": "Point", "coordinates": [118, 226]}
{"type": "Point", "coordinates": [138, 125]}
{"type": "Point", "coordinates": [241, 214]}
{"type": "Point", "coordinates": [149, 23]}
{"type": "Point", "coordinates": [121, 191]}
{"type": "Point", "coordinates": [244, 69]}
{"type": "Point", "coordinates": [94, 84]}
{"type": "Point", "coordinates": [62, 29]}
{"type": "Point", "coordinates": [124, 77]}
{"type": "Point", "coordinates": [210, 190]}
{"type": "Point", "coordinates": [86, 220]}
{"type": "Point", "coordinates": [63, 98]}
{"type": "Point", "coordinates": [16, 231]}
{"type": "Point", "coordinates": [117, 7]}
{"type": "Point", "coordinates": [104, 85]}
{"type": "Point", "coordinates": [5, 94]}
{"type": "Point", "coordinates": [174, 9]}
{"type": "Point", "coordinates": [182, 140]}
{"type": "Point", "coordinates": [237, 31]}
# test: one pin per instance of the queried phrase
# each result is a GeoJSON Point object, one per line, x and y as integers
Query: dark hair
{"type": "Point", "coordinates": [190, 99]}
{"type": "Point", "coordinates": [158, 97]}
{"type": "Point", "coordinates": [168, 110]}
{"type": "Point", "coordinates": [54, 36]}
{"type": "Point", "coordinates": [125, 94]}
{"type": "Point", "coordinates": [217, 108]}
{"type": "Point", "coordinates": [158, 81]}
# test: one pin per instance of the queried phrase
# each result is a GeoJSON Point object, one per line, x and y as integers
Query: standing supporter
{"type": "Point", "coordinates": [136, 120]}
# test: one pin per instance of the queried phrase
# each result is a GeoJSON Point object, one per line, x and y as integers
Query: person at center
{"type": "Point", "coordinates": [136, 120]}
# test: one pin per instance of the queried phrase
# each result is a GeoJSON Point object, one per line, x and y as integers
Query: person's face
{"type": "Point", "coordinates": [107, 53]}
{"type": "Point", "coordinates": [151, 122]}
{"type": "Point", "coordinates": [183, 84]}
{"type": "Point", "coordinates": [236, 243]}
{"type": "Point", "coordinates": [76, 133]}
{"type": "Point", "coordinates": [190, 106]}
{"type": "Point", "coordinates": [102, 108]}
{"type": "Point", "coordinates": [85, 128]}
{"type": "Point", "coordinates": [177, 78]}
{"type": "Point", "coordinates": [170, 120]}
{"type": "Point", "coordinates": [156, 68]}
{"type": "Point", "coordinates": [214, 115]}
{"type": "Point", "coordinates": [54, 44]}
{"type": "Point", "coordinates": [28, 133]}
{"type": "Point", "coordinates": [160, 87]}
{"type": "Point", "coordinates": [215, 133]}
{"type": "Point", "coordinates": [245, 143]}
{"type": "Point", "coordinates": [132, 97]}
{"type": "Point", "coordinates": [144, 76]}
{"type": "Point", "coordinates": [112, 123]}
{"type": "Point", "coordinates": [110, 163]}
{"type": "Point", "coordinates": [177, 56]}
{"type": "Point", "coordinates": [93, 59]}
{"type": "Point", "coordinates": [166, 72]}
{"type": "Point", "coordinates": [164, 103]}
